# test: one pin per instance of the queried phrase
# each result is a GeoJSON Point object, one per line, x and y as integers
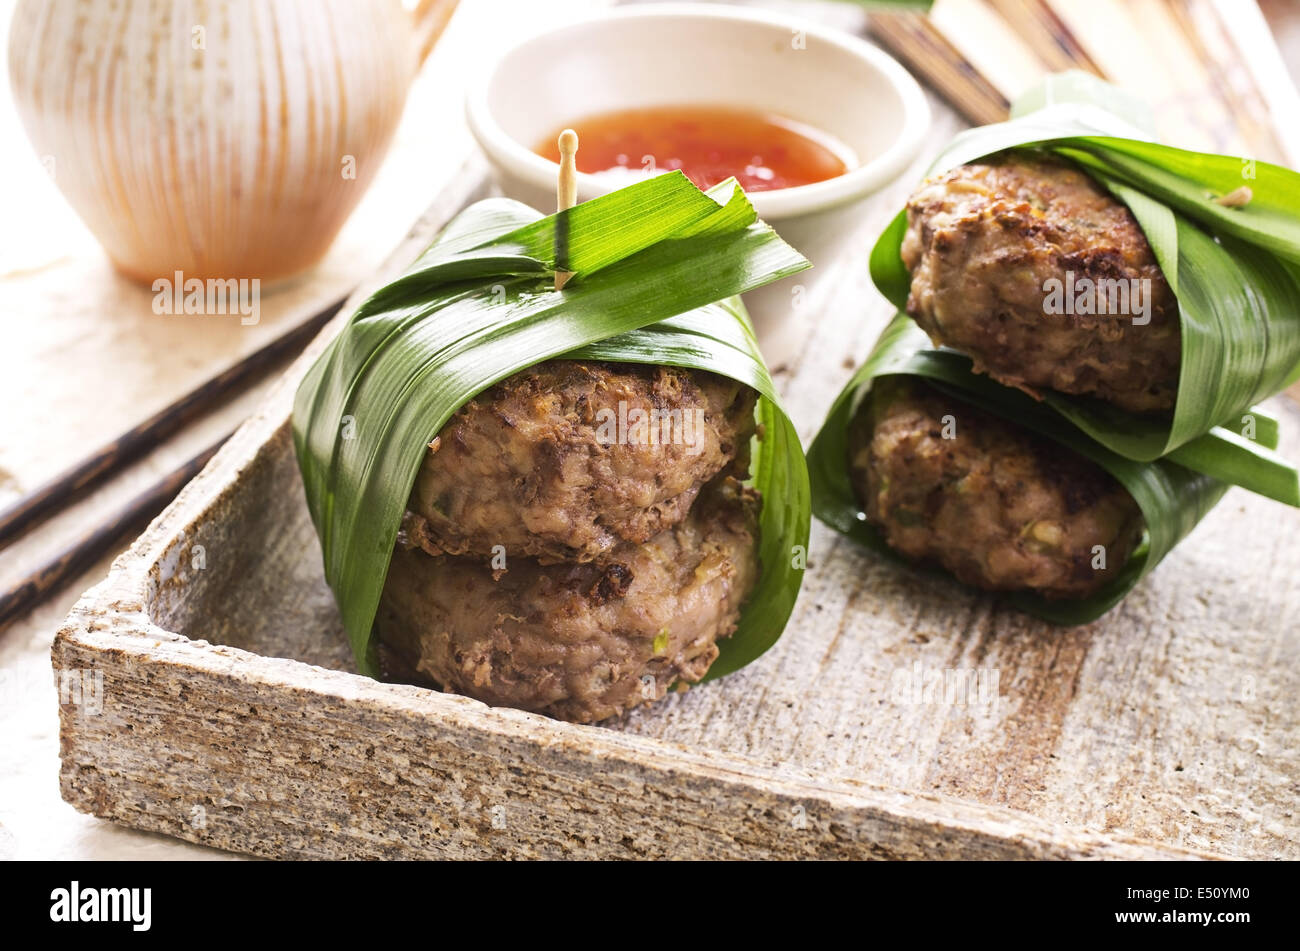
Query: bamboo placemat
{"type": "Point", "coordinates": [1209, 68]}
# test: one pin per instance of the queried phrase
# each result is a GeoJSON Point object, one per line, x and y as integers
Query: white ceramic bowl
{"type": "Point", "coordinates": [699, 54]}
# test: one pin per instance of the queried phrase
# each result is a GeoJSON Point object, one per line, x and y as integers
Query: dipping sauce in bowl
{"type": "Point", "coordinates": [709, 144]}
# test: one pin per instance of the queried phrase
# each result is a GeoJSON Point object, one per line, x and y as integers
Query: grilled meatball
{"type": "Point", "coordinates": [982, 243]}
{"type": "Point", "coordinates": [997, 506]}
{"type": "Point", "coordinates": [536, 464]}
{"type": "Point", "coordinates": [581, 642]}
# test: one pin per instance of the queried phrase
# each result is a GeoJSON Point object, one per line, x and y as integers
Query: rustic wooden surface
{"type": "Point", "coordinates": [1164, 729]}
{"type": "Point", "coordinates": [277, 758]}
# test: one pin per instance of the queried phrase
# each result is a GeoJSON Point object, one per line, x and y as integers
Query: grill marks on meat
{"type": "Point", "coordinates": [997, 506]}
{"type": "Point", "coordinates": [981, 243]}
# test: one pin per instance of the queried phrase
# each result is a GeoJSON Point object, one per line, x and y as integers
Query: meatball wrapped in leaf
{"type": "Point", "coordinates": [922, 458]}
{"type": "Point", "coordinates": [453, 429]}
{"type": "Point", "coordinates": [1022, 219]}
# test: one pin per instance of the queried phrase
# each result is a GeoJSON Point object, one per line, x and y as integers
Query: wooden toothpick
{"type": "Point", "coordinates": [1236, 198]}
{"type": "Point", "coordinates": [566, 186]}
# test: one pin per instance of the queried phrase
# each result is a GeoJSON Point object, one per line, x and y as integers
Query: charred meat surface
{"type": "Point", "coordinates": [579, 641]}
{"type": "Point", "coordinates": [984, 243]}
{"type": "Point", "coordinates": [567, 460]}
{"type": "Point", "coordinates": [997, 506]}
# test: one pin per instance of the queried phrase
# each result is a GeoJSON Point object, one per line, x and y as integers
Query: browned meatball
{"type": "Point", "coordinates": [983, 242]}
{"type": "Point", "coordinates": [537, 463]}
{"type": "Point", "coordinates": [581, 642]}
{"type": "Point", "coordinates": [997, 506]}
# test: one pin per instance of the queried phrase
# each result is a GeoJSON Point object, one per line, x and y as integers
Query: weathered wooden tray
{"type": "Point", "coordinates": [230, 715]}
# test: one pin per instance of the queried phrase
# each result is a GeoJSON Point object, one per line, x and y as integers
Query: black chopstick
{"type": "Point", "coordinates": [39, 504]}
{"type": "Point", "coordinates": [90, 547]}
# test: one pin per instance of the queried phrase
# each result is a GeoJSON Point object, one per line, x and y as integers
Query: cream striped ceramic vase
{"type": "Point", "coordinates": [221, 138]}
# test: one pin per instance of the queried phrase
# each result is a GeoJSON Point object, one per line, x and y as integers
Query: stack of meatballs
{"type": "Point", "coordinates": [996, 505]}
{"type": "Point", "coordinates": [545, 566]}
